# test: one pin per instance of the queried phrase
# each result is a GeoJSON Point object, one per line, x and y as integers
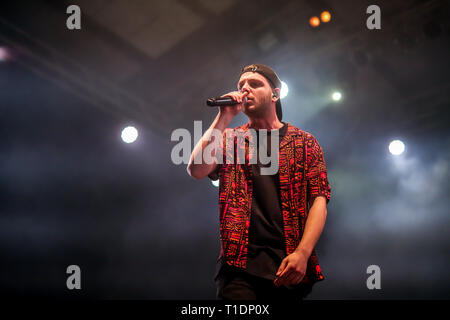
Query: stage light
{"type": "Point", "coordinates": [325, 16]}
{"type": "Point", "coordinates": [314, 21]}
{"type": "Point", "coordinates": [336, 96]}
{"type": "Point", "coordinates": [215, 183]}
{"type": "Point", "coordinates": [284, 90]}
{"type": "Point", "coordinates": [396, 147]}
{"type": "Point", "coordinates": [129, 134]}
{"type": "Point", "coordinates": [4, 55]}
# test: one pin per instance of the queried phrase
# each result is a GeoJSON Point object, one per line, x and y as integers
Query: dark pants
{"type": "Point", "coordinates": [239, 285]}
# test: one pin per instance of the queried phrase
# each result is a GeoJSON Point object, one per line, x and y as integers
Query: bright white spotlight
{"type": "Point", "coordinates": [284, 90]}
{"type": "Point", "coordinates": [215, 183]}
{"type": "Point", "coordinates": [336, 96]}
{"type": "Point", "coordinates": [129, 134]}
{"type": "Point", "coordinates": [396, 147]}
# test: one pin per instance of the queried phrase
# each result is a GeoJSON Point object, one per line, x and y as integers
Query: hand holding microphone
{"type": "Point", "coordinates": [230, 103]}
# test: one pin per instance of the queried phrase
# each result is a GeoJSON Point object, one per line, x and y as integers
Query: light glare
{"type": "Point", "coordinates": [396, 147]}
{"type": "Point", "coordinates": [336, 96]}
{"type": "Point", "coordinates": [4, 55]}
{"type": "Point", "coordinates": [129, 134]}
{"type": "Point", "coordinates": [284, 90]}
{"type": "Point", "coordinates": [314, 22]}
{"type": "Point", "coordinates": [325, 16]}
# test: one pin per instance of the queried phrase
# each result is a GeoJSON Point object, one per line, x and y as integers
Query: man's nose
{"type": "Point", "coordinates": [245, 89]}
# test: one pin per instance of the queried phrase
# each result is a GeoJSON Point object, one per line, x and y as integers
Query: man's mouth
{"type": "Point", "coordinates": [249, 101]}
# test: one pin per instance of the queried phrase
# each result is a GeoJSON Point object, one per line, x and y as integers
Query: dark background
{"type": "Point", "coordinates": [71, 192]}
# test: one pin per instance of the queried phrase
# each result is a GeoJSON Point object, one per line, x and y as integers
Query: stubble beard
{"type": "Point", "coordinates": [257, 110]}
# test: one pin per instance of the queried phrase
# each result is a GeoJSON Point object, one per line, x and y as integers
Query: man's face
{"type": "Point", "coordinates": [259, 95]}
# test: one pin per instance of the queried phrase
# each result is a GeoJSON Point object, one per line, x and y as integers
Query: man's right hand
{"type": "Point", "coordinates": [233, 110]}
{"type": "Point", "coordinates": [223, 118]}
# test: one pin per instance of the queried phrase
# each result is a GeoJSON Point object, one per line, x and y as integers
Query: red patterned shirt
{"type": "Point", "coordinates": [303, 176]}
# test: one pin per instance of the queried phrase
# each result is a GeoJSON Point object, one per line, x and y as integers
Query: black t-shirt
{"type": "Point", "coordinates": [266, 242]}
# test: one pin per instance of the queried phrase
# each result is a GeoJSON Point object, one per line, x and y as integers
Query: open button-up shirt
{"type": "Point", "coordinates": [303, 176]}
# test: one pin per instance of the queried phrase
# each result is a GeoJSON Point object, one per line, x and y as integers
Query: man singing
{"type": "Point", "coordinates": [269, 223]}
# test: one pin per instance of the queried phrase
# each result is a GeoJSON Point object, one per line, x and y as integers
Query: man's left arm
{"type": "Point", "coordinates": [293, 267]}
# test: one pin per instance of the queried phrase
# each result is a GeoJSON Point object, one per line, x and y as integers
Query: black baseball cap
{"type": "Point", "coordinates": [271, 76]}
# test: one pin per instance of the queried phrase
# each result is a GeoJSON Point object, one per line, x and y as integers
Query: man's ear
{"type": "Point", "coordinates": [276, 94]}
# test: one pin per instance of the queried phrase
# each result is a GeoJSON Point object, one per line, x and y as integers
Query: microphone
{"type": "Point", "coordinates": [216, 102]}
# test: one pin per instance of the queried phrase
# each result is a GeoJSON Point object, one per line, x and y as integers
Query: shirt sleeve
{"type": "Point", "coordinates": [215, 174]}
{"type": "Point", "coordinates": [316, 173]}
